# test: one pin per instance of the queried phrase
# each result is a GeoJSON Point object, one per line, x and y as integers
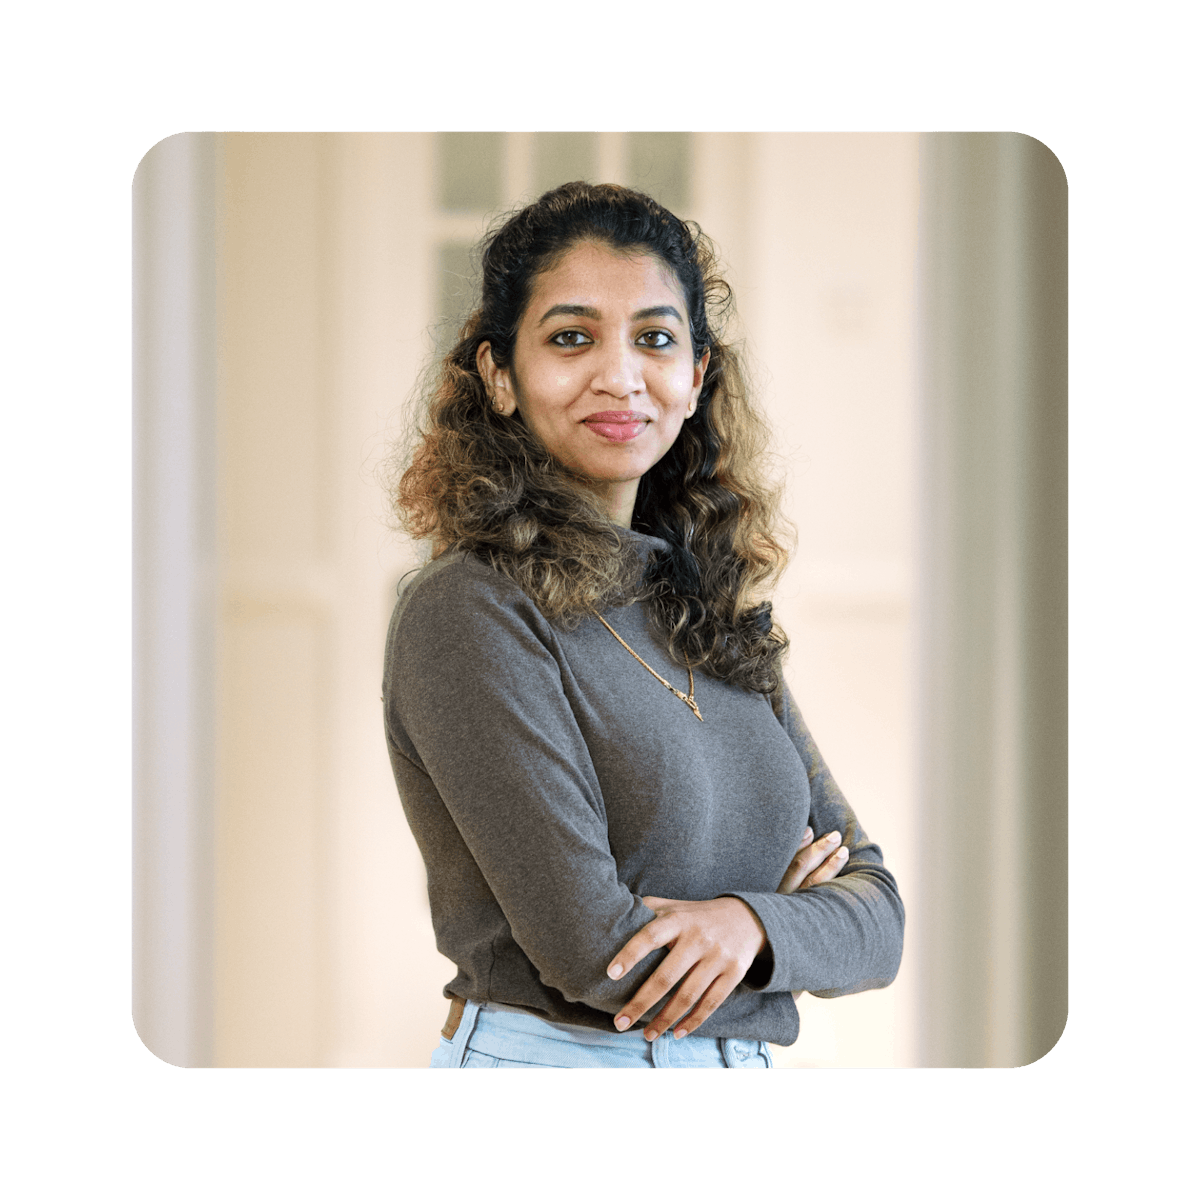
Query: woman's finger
{"type": "Point", "coordinates": [807, 860]}
{"type": "Point", "coordinates": [796, 868]}
{"type": "Point", "coordinates": [652, 936]}
{"type": "Point", "coordinates": [828, 869]}
{"type": "Point", "coordinates": [809, 857]}
{"type": "Point", "coordinates": [670, 971]}
{"type": "Point", "coordinates": [692, 989]}
{"type": "Point", "coordinates": [712, 999]}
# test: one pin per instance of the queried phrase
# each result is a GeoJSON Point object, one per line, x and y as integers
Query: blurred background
{"type": "Point", "coordinates": [903, 303]}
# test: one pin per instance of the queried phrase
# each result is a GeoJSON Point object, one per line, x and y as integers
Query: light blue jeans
{"type": "Point", "coordinates": [489, 1036]}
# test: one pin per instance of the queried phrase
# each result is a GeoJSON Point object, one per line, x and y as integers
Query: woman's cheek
{"type": "Point", "coordinates": [680, 383]}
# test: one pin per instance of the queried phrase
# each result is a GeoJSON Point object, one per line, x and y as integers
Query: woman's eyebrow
{"type": "Point", "coordinates": [570, 310]}
{"type": "Point", "coordinates": [585, 310]}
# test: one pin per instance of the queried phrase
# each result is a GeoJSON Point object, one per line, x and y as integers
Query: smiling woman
{"type": "Point", "coordinates": [602, 328]}
{"type": "Point", "coordinates": [603, 867]}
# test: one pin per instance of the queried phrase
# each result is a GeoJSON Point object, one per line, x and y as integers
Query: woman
{"type": "Point", "coordinates": [610, 856]}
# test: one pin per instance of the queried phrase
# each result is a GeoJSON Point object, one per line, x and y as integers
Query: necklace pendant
{"type": "Point", "coordinates": [665, 682]}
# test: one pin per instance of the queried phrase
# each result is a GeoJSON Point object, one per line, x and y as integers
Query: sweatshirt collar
{"type": "Point", "coordinates": [643, 543]}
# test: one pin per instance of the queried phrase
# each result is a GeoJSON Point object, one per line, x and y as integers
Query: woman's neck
{"type": "Point", "coordinates": [617, 499]}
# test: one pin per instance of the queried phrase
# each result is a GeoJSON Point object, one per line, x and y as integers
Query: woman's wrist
{"type": "Point", "coordinates": [756, 931]}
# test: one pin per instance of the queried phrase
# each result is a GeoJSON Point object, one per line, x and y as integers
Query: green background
{"type": "Point", "coordinates": [89, 90]}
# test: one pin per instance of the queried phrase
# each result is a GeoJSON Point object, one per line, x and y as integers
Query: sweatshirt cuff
{"type": "Point", "coordinates": [765, 974]}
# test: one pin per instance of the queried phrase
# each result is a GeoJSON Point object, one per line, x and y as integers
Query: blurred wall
{"type": "Point", "coordinates": [342, 261]}
{"type": "Point", "coordinates": [993, 688]}
{"type": "Point", "coordinates": [828, 305]}
{"type": "Point", "coordinates": [174, 594]}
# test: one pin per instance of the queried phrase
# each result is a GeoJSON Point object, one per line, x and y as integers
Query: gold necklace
{"type": "Point", "coordinates": [689, 699]}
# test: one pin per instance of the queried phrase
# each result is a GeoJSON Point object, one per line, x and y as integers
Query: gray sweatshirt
{"type": "Point", "coordinates": [550, 780]}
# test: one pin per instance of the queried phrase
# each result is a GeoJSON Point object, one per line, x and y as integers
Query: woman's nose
{"type": "Point", "coordinates": [618, 372]}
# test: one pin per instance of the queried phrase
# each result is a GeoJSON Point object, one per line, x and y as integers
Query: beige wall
{"type": "Point", "coordinates": [831, 317]}
{"type": "Point", "coordinates": [324, 955]}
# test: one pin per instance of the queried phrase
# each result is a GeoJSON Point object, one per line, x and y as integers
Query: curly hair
{"type": "Point", "coordinates": [481, 482]}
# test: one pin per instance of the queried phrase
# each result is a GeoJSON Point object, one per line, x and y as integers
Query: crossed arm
{"type": "Point", "coordinates": [519, 800]}
{"type": "Point", "coordinates": [712, 944]}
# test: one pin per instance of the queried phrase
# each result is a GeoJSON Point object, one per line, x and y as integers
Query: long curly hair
{"type": "Point", "coordinates": [475, 480]}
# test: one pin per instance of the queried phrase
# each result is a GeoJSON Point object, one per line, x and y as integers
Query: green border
{"type": "Point", "coordinates": [94, 88]}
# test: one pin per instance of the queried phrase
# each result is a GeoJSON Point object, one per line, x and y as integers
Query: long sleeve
{"type": "Point", "coordinates": [482, 729]}
{"type": "Point", "coordinates": [843, 936]}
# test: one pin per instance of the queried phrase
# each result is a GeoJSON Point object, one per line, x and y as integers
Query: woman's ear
{"type": "Point", "coordinates": [495, 380]}
{"type": "Point", "coordinates": [697, 383]}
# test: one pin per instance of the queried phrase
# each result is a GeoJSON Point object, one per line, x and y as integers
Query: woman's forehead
{"type": "Point", "coordinates": [598, 276]}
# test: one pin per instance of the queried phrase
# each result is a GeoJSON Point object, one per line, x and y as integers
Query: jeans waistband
{"type": "Point", "coordinates": [489, 1034]}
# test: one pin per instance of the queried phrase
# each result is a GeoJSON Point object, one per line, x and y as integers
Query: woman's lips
{"type": "Point", "coordinates": [622, 425]}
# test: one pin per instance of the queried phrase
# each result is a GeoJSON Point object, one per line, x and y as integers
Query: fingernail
{"type": "Point", "coordinates": [835, 837]}
{"type": "Point", "coordinates": [807, 833]}
{"type": "Point", "coordinates": [842, 853]}
{"type": "Point", "coordinates": [622, 1023]}
{"type": "Point", "coordinates": [615, 971]}
{"type": "Point", "coordinates": [680, 1033]}
{"type": "Point", "coordinates": [650, 1035]}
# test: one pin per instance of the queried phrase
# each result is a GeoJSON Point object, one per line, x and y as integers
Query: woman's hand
{"type": "Point", "coordinates": [713, 943]}
{"type": "Point", "coordinates": [815, 862]}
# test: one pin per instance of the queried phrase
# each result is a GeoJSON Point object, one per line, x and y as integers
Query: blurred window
{"type": "Point", "coordinates": [470, 171]}
{"type": "Point", "coordinates": [661, 165]}
{"type": "Point", "coordinates": [480, 175]}
{"type": "Point", "coordinates": [563, 158]}
{"type": "Point", "coordinates": [456, 283]}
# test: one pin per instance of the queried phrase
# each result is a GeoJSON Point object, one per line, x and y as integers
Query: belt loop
{"type": "Point", "coordinates": [660, 1050]}
{"type": "Point", "coordinates": [457, 1004]}
{"type": "Point", "coordinates": [462, 1035]}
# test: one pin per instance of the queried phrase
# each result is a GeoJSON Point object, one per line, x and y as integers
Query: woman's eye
{"type": "Point", "coordinates": [570, 337]}
{"type": "Point", "coordinates": [656, 339]}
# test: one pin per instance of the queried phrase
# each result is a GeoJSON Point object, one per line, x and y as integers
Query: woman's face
{"type": "Point", "coordinates": [602, 369]}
